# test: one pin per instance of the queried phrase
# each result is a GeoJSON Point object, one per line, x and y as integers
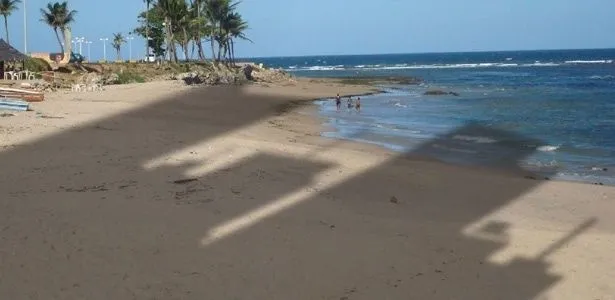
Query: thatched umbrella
{"type": "Point", "coordinates": [8, 53]}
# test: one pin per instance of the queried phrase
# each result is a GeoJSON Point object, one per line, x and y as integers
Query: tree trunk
{"type": "Point", "coordinates": [6, 27]}
{"type": "Point", "coordinates": [118, 51]}
{"type": "Point", "coordinates": [185, 42]}
{"type": "Point", "coordinates": [185, 47]}
{"type": "Point", "coordinates": [168, 33]}
{"type": "Point", "coordinates": [213, 50]}
{"type": "Point", "coordinates": [58, 37]}
{"type": "Point", "coordinates": [197, 39]}
{"type": "Point", "coordinates": [192, 51]}
{"type": "Point", "coordinates": [63, 31]}
{"type": "Point", "coordinates": [219, 51]}
{"type": "Point", "coordinates": [199, 46]}
{"type": "Point", "coordinates": [232, 52]}
{"type": "Point", "coordinates": [147, 32]}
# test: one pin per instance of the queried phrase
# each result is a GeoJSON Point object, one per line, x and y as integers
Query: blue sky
{"type": "Point", "coordinates": [313, 27]}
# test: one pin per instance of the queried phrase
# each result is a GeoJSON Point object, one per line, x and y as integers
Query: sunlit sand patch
{"type": "Point", "coordinates": [62, 112]}
{"type": "Point", "coordinates": [212, 153]}
{"type": "Point", "coordinates": [520, 241]}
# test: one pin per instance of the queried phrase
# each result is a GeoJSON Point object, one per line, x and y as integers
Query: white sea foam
{"type": "Point", "coordinates": [411, 67]}
{"type": "Point", "coordinates": [400, 105]}
{"type": "Point", "coordinates": [609, 61]}
{"type": "Point", "coordinates": [547, 148]}
{"type": "Point", "coordinates": [606, 77]}
{"type": "Point", "coordinates": [406, 66]}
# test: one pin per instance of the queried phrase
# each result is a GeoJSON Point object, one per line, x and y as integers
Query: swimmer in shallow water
{"type": "Point", "coordinates": [358, 104]}
{"type": "Point", "coordinates": [338, 102]}
{"type": "Point", "coordinates": [350, 103]}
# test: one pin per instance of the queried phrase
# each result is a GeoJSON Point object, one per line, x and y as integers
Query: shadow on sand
{"type": "Point", "coordinates": [82, 219]}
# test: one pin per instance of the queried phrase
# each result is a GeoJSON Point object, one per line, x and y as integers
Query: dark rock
{"type": "Point", "coordinates": [439, 93]}
{"type": "Point", "coordinates": [394, 200]}
{"type": "Point", "coordinates": [247, 71]}
{"type": "Point", "coordinates": [435, 93]}
{"type": "Point", "coordinates": [183, 181]}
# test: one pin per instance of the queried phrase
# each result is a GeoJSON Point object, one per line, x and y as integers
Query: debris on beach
{"type": "Point", "coordinates": [14, 104]}
{"type": "Point", "coordinates": [23, 94]}
{"type": "Point", "coordinates": [184, 181]}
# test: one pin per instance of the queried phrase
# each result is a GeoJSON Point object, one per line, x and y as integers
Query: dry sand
{"type": "Point", "coordinates": [90, 210]}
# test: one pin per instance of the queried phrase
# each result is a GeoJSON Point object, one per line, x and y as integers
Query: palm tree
{"type": "Point", "coordinates": [198, 26]}
{"type": "Point", "coordinates": [7, 7]}
{"type": "Point", "coordinates": [118, 40]}
{"type": "Point", "coordinates": [236, 28]}
{"type": "Point", "coordinates": [59, 16]}
{"type": "Point", "coordinates": [173, 12]}
{"type": "Point", "coordinates": [218, 13]}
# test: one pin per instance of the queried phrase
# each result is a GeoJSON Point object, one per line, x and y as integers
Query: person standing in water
{"type": "Point", "coordinates": [350, 103]}
{"type": "Point", "coordinates": [358, 104]}
{"type": "Point", "coordinates": [338, 102]}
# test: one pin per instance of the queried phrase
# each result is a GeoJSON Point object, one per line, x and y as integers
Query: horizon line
{"type": "Point", "coordinates": [418, 53]}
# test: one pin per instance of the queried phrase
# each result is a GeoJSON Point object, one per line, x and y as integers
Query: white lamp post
{"type": "Point", "coordinates": [130, 38]}
{"type": "Point", "coordinates": [80, 40]}
{"type": "Point", "coordinates": [89, 43]}
{"type": "Point", "coordinates": [25, 29]}
{"type": "Point", "coordinates": [104, 41]}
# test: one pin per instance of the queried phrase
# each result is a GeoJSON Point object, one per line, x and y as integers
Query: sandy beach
{"type": "Point", "coordinates": [163, 191]}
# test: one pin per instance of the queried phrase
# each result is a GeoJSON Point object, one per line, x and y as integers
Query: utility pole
{"type": "Point", "coordinates": [104, 41]}
{"type": "Point", "coordinates": [130, 38]}
{"type": "Point", "coordinates": [89, 43]}
{"type": "Point", "coordinates": [80, 40]}
{"type": "Point", "coordinates": [25, 28]}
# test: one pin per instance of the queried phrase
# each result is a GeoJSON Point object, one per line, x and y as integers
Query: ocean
{"type": "Point", "coordinates": [557, 107]}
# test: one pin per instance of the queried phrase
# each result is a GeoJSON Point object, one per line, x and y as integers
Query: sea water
{"type": "Point", "coordinates": [562, 104]}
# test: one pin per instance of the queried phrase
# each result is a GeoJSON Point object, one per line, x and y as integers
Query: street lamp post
{"type": "Point", "coordinates": [80, 40]}
{"type": "Point", "coordinates": [89, 43]}
{"type": "Point", "coordinates": [104, 41]}
{"type": "Point", "coordinates": [130, 38]}
{"type": "Point", "coordinates": [25, 29]}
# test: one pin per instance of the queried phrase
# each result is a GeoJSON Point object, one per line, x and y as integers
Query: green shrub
{"type": "Point", "coordinates": [36, 64]}
{"type": "Point", "coordinates": [129, 77]}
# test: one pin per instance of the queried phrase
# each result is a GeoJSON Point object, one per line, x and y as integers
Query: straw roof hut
{"type": "Point", "coordinates": [8, 53]}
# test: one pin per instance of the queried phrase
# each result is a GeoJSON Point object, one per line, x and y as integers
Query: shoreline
{"type": "Point", "coordinates": [526, 174]}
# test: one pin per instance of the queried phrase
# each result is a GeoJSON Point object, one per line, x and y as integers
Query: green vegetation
{"type": "Point", "coordinates": [36, 64]}
{"type": "Point", "coordinates": [172, 23]}
{"type": "Point", "coordinates": [7, 7]}
{"type": "Point", "coordinates": [129, 77]}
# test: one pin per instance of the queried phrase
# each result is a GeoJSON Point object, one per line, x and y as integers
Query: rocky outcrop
{"type": "Point", "coordinates": [261, 74]}
{"type": "Point", "coordinates": [210, 78]}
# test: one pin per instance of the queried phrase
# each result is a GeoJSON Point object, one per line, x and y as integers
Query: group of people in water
{"type": "Point", "coordinates": [350, 103]}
